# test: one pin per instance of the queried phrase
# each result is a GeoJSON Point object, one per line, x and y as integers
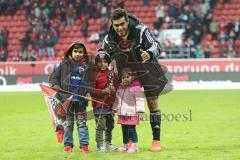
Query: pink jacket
{"type": "Point", "coordinates": [129, 100]}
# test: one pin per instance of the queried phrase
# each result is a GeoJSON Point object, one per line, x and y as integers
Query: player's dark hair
{"type": "Point", "coordinates": [119, 13]}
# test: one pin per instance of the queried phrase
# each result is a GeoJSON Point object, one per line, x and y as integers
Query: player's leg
{"type": "Point", "coordinates": [155, 122]}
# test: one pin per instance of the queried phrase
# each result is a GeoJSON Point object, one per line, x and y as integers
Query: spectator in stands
{"type": "Point", "coordinates": [188, 30]}
{"type": "Point", "coordinates": [103, 27]}
{"type": "Point", "coordinates": [32, 55]}
{"type": "Point", "coordinates": [232, 34]}
{"type": "Point", "coordinates": [197, 33]}
{"type": "Point", "coordinates": [3, 54]}
{"type": "Point", "coordinates": [160, 15]}
{"type": "Point", "coordinates": [237, 27]}
{"type": "Point", "coordinates": [146, 2]}
{"type": "Point", "coordinates": [79, 4]}
{"type": "Point", "coordinates": [117, 4]}
{"type": "Point", "coordinates": [52, 9]}
{"type": "Point", "coordinates": [213, 28]}
{"type": "Point", "coordinates": [28, 7]}
{"type": "Point", "coordinates": [4, 33]}
{"type": "Point", "coordinates": [198, 52]}
{"type": "Point", "coordinates": [70, 15]}
{"type": "Point", "coordinates": [63, 15]}
{"type": "Point", "coordinates": [94, 38]}
{"type": "Point", "coordinates": [173, 10]}
{"type": "Point", "coordinates": [37, 10]}
{"type": "Point", "coordinates": [230, 53]}
{"type": "Point", "coordinates": [207, 20]}
{"type": "Point", "coordinates": [25, 40]}
{"type": "Point", "coordinates": [50, 46]}
{"type": "Point", "coordinates": [16, 56]}
{"type": "Point", "coordinates": [85, 26]}
{"type": "Point", "coordinates": [104, 10]}
{"type": "Point", "coordinates": [3, 7]}
{"type": "Point", "coordinates": [229, 26]}
{"type": "Point", "coordinates": [1, 37]}
{"type": "Point", "coordinates": [41, 46]}
{"type": "Point", "coordinates": [222, 36]}
{"type": "Point", "coordinates": [24, 55]}
{"type": "Point", "coordinates": [12, 7]}
{"type": "Point", "coordinates": [208, 49]}
{"type": "Point", "coordinates": [33, 37]}
{"type": "Point", "coordinates": [53, 33]}
{"type": "Point", "coordinates": [91, 10]}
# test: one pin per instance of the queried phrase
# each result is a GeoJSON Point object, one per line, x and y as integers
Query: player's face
{"type": "Point", "coordinates": [121, 26]}
{"type": "Point", "coordinates": [77, 54]}
{"type": "Point", "coordinates": [127, 79]}
{"type": "Point", "coordinates": [102, 64]}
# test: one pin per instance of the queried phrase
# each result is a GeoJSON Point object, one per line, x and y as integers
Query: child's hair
{"type": "Point", "coordinates": [77, 46]}
{"type": "Point", "coordinates": [127, 70]}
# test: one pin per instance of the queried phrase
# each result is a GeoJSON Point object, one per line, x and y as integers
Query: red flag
{"type": "Point", "coordinates": [56, 109]}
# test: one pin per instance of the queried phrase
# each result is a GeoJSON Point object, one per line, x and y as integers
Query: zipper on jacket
{"type": "Point", "coordinates": [122, 99]}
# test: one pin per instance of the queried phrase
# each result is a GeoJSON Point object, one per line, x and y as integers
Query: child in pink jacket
{"type": "Point", "coordinates": [129, 105]}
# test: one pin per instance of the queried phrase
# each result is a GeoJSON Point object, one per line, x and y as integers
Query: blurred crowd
{"type": "Point", "coordinates": [202, 36]}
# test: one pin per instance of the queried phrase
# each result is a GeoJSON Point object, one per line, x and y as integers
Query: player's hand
{"type": "Point", "coordinates": [145, 56]}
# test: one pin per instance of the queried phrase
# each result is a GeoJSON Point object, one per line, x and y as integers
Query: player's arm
{"type": "Point", "coordinates": [109, 46]}
{"type": "Point", "coordinates": [149, 45]}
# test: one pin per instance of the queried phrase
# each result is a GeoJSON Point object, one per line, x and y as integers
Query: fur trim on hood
{"type": "Point", "coordinates": [67, 53]}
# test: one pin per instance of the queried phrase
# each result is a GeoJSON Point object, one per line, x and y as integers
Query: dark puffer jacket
{"type": "Point", "coordinates": [61, 75]}
{"type": "Point", "coordinates": [151, 74]}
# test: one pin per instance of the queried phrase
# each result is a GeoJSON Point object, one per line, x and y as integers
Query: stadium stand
{"type": "Point", "coordinates": [42, 29]}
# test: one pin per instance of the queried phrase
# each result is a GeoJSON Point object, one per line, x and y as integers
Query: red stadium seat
{"type": "Point", "coordinates": [91, 21]}
{"type": "Point", "coordinates": [219, 6]}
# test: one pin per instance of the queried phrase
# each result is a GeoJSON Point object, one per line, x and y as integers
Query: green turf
{"type": "Point", "coordinates": [213, 132]}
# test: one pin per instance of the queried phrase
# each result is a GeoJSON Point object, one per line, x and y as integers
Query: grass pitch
{"type": "Point", "coordinates": [197, 125]}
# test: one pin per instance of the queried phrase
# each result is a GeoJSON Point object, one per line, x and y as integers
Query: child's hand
{"type": "Point", "coordinates": [113, 112]}
{"type": "Point", "coordinates": [106, 90]}
{"type": "Point", "coordinates": [113, 90]}
{"type": "Point", "coordinates": [88, 96]}
{"type": "Point", "coordinates": [56, 87]}
{"type": "Point", "coordinates": [140, 114]}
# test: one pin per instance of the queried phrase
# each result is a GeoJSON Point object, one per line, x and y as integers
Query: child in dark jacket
{"type": "Point", "coordinates": [104, 89]}
{"type": "Point", "coordinates": [72, 76]}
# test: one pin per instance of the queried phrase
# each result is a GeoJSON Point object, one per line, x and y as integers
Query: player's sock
{"type": "Point", "coordinates": [155, 121]}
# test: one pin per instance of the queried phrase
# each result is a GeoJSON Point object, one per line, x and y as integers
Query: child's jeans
{"type": "Point", "coordinates": [81, 119]}
{"type": "Point", "coordinates": [129, 133]}
{"type": "Point", "coordinates": [104, 123]}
